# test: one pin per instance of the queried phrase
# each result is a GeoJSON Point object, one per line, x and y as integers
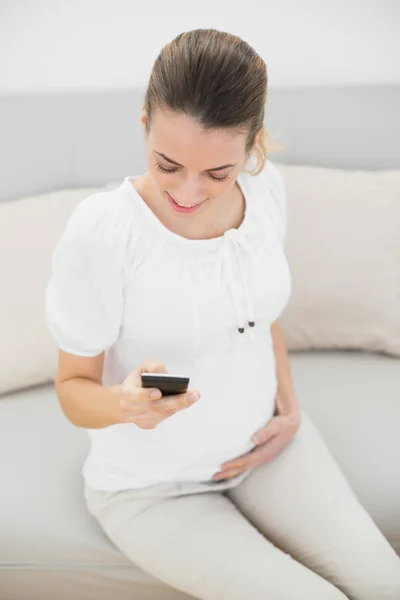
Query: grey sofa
{"type": "Point", "coordinates": [50, 547]}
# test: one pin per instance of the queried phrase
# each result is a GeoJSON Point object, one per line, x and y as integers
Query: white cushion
{"type": "Point", "coordinates": [343, 247]}
{"type": "Point", "coordinates": [29, 231]}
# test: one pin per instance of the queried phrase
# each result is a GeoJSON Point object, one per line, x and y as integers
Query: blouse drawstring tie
{"type": "Point", "coordinates": [231, 257]}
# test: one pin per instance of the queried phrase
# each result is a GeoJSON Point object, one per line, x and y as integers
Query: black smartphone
{"type": "Point", "coordinates": [167, 383]}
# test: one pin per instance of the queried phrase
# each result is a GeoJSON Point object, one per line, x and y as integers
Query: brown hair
{"type": "Point", "coordinates": [218, 80]}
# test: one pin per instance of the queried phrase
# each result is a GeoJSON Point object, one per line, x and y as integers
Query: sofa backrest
{"type": "Point", "coordinates": [57, 149]}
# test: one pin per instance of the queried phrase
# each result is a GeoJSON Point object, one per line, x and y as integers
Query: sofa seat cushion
{"type": "Point", "coordinates": [353, 399]}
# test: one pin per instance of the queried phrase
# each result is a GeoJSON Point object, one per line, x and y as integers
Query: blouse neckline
{"type": "Point", "coordinates": [208, 242]}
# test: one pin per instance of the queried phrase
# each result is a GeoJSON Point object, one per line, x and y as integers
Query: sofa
{"type": "Point", "coordinates": [342, 325]}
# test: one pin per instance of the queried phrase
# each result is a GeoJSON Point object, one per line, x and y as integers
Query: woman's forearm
{"type": "Point", "coordinates": [286, 397]}
{"type": "Point", "coordinates": [89, 404]}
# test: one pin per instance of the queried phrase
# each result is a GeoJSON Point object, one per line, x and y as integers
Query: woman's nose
{"type": "Point", "coordinates": [190, 193]}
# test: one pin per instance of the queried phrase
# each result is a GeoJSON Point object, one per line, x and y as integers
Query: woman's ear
{"type": "Point", "coordinates": [143, 119]}
{"type": "Point", "coordinates": [253, 147]}
{"type": "Point", "coordinates": [256, 140]}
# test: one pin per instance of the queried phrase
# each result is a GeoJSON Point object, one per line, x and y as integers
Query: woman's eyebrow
{"type": "Point", "coordinates": [179, 165]}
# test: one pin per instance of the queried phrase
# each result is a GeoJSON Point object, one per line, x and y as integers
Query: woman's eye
{"type": "Point", "coordinates": [166, 171]}
{"type": "Point", "coordinates": [219, 178]}
{"type": "Point", "coordinates": [160, 168]}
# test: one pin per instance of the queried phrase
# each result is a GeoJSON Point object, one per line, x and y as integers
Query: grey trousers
{"type": "Point", "coordinates": [292, 529]}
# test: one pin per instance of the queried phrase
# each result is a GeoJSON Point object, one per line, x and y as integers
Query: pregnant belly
{"type": "Point", "coordinates": [192, 444]}
{"type": "Point", "coordinates": [237, 399]}
{"type": "Point", "coordinates": [237, 394]}
{"type": "Point", "coordinates": [220, 425]}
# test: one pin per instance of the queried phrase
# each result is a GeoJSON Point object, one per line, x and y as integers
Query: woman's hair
{"type": "Point", "coordinates": [218, 80]}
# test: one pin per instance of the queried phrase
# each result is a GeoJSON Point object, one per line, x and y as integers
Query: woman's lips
{"type": "Point", "coordinates": [182, 209]}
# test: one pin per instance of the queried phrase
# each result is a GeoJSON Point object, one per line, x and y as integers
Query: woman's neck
{"type": "Point", "coordinates": [219, 216]}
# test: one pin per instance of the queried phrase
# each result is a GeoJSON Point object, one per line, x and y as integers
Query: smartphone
{"type": "Point", "coordinates": [167, 383]}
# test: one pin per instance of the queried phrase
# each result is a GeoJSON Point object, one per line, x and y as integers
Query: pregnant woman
{"type": "Point", "coordinates": [227, 491]}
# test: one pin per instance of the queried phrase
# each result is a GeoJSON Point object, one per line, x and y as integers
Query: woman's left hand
{"type": "Point", "coordinates": [269, 440]}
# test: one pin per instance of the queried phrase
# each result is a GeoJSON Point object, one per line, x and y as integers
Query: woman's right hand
{"type": "Point", "coordinates": [145, 407]}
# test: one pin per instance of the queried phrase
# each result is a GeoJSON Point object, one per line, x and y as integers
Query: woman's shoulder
{"type": "Point", "coordinates": [270, 179]}
{"type": "Point", "coordinates": [105, 216]}
{"type": "Point", "coordinates": [268, 191]}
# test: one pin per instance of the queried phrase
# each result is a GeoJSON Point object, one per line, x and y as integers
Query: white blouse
{"type": "Point", "coordinates": [123, 283]}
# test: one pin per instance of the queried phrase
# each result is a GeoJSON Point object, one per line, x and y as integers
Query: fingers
{"type": "Point", "coordinates": [147, 415]}
{"type": "Point", "coordinates": [243, 463]}
{"type": "Point", "coordinates": [228, 474]}
{"type": "Point", "coordinates": [146, 407]}
{"type": "Point", "coordinates": [266, 433]}
{"type": "Point", "coordinates": [134, 395]}
{"type": "Point", "coordinates": [152, 366]}
{"type": "Point", "coordinates": [268, 451]}
{"type": "Point", "coordinates": [148, 366]}
{"type": "Point", "coordinates": [175, 403]}
{"type": "Point", "coordinates": [256, 457]}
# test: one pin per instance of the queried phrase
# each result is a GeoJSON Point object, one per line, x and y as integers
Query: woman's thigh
{"type": "Point", "coordinates": [302, 502]}
{"type": "Point", "coordinates": [202, 545]}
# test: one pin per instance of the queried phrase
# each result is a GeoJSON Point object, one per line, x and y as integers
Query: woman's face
{"type": "Point", "coordinates": [189, 166]}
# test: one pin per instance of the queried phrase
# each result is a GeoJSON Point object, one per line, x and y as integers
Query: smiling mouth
{"type": "Point", "coordinates": [181, 207]}
{"type": "Point", "coordinates": [184, 205]}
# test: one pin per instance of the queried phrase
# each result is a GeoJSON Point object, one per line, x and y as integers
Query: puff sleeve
{"type": "Point", "coordinates": [84, 297]}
